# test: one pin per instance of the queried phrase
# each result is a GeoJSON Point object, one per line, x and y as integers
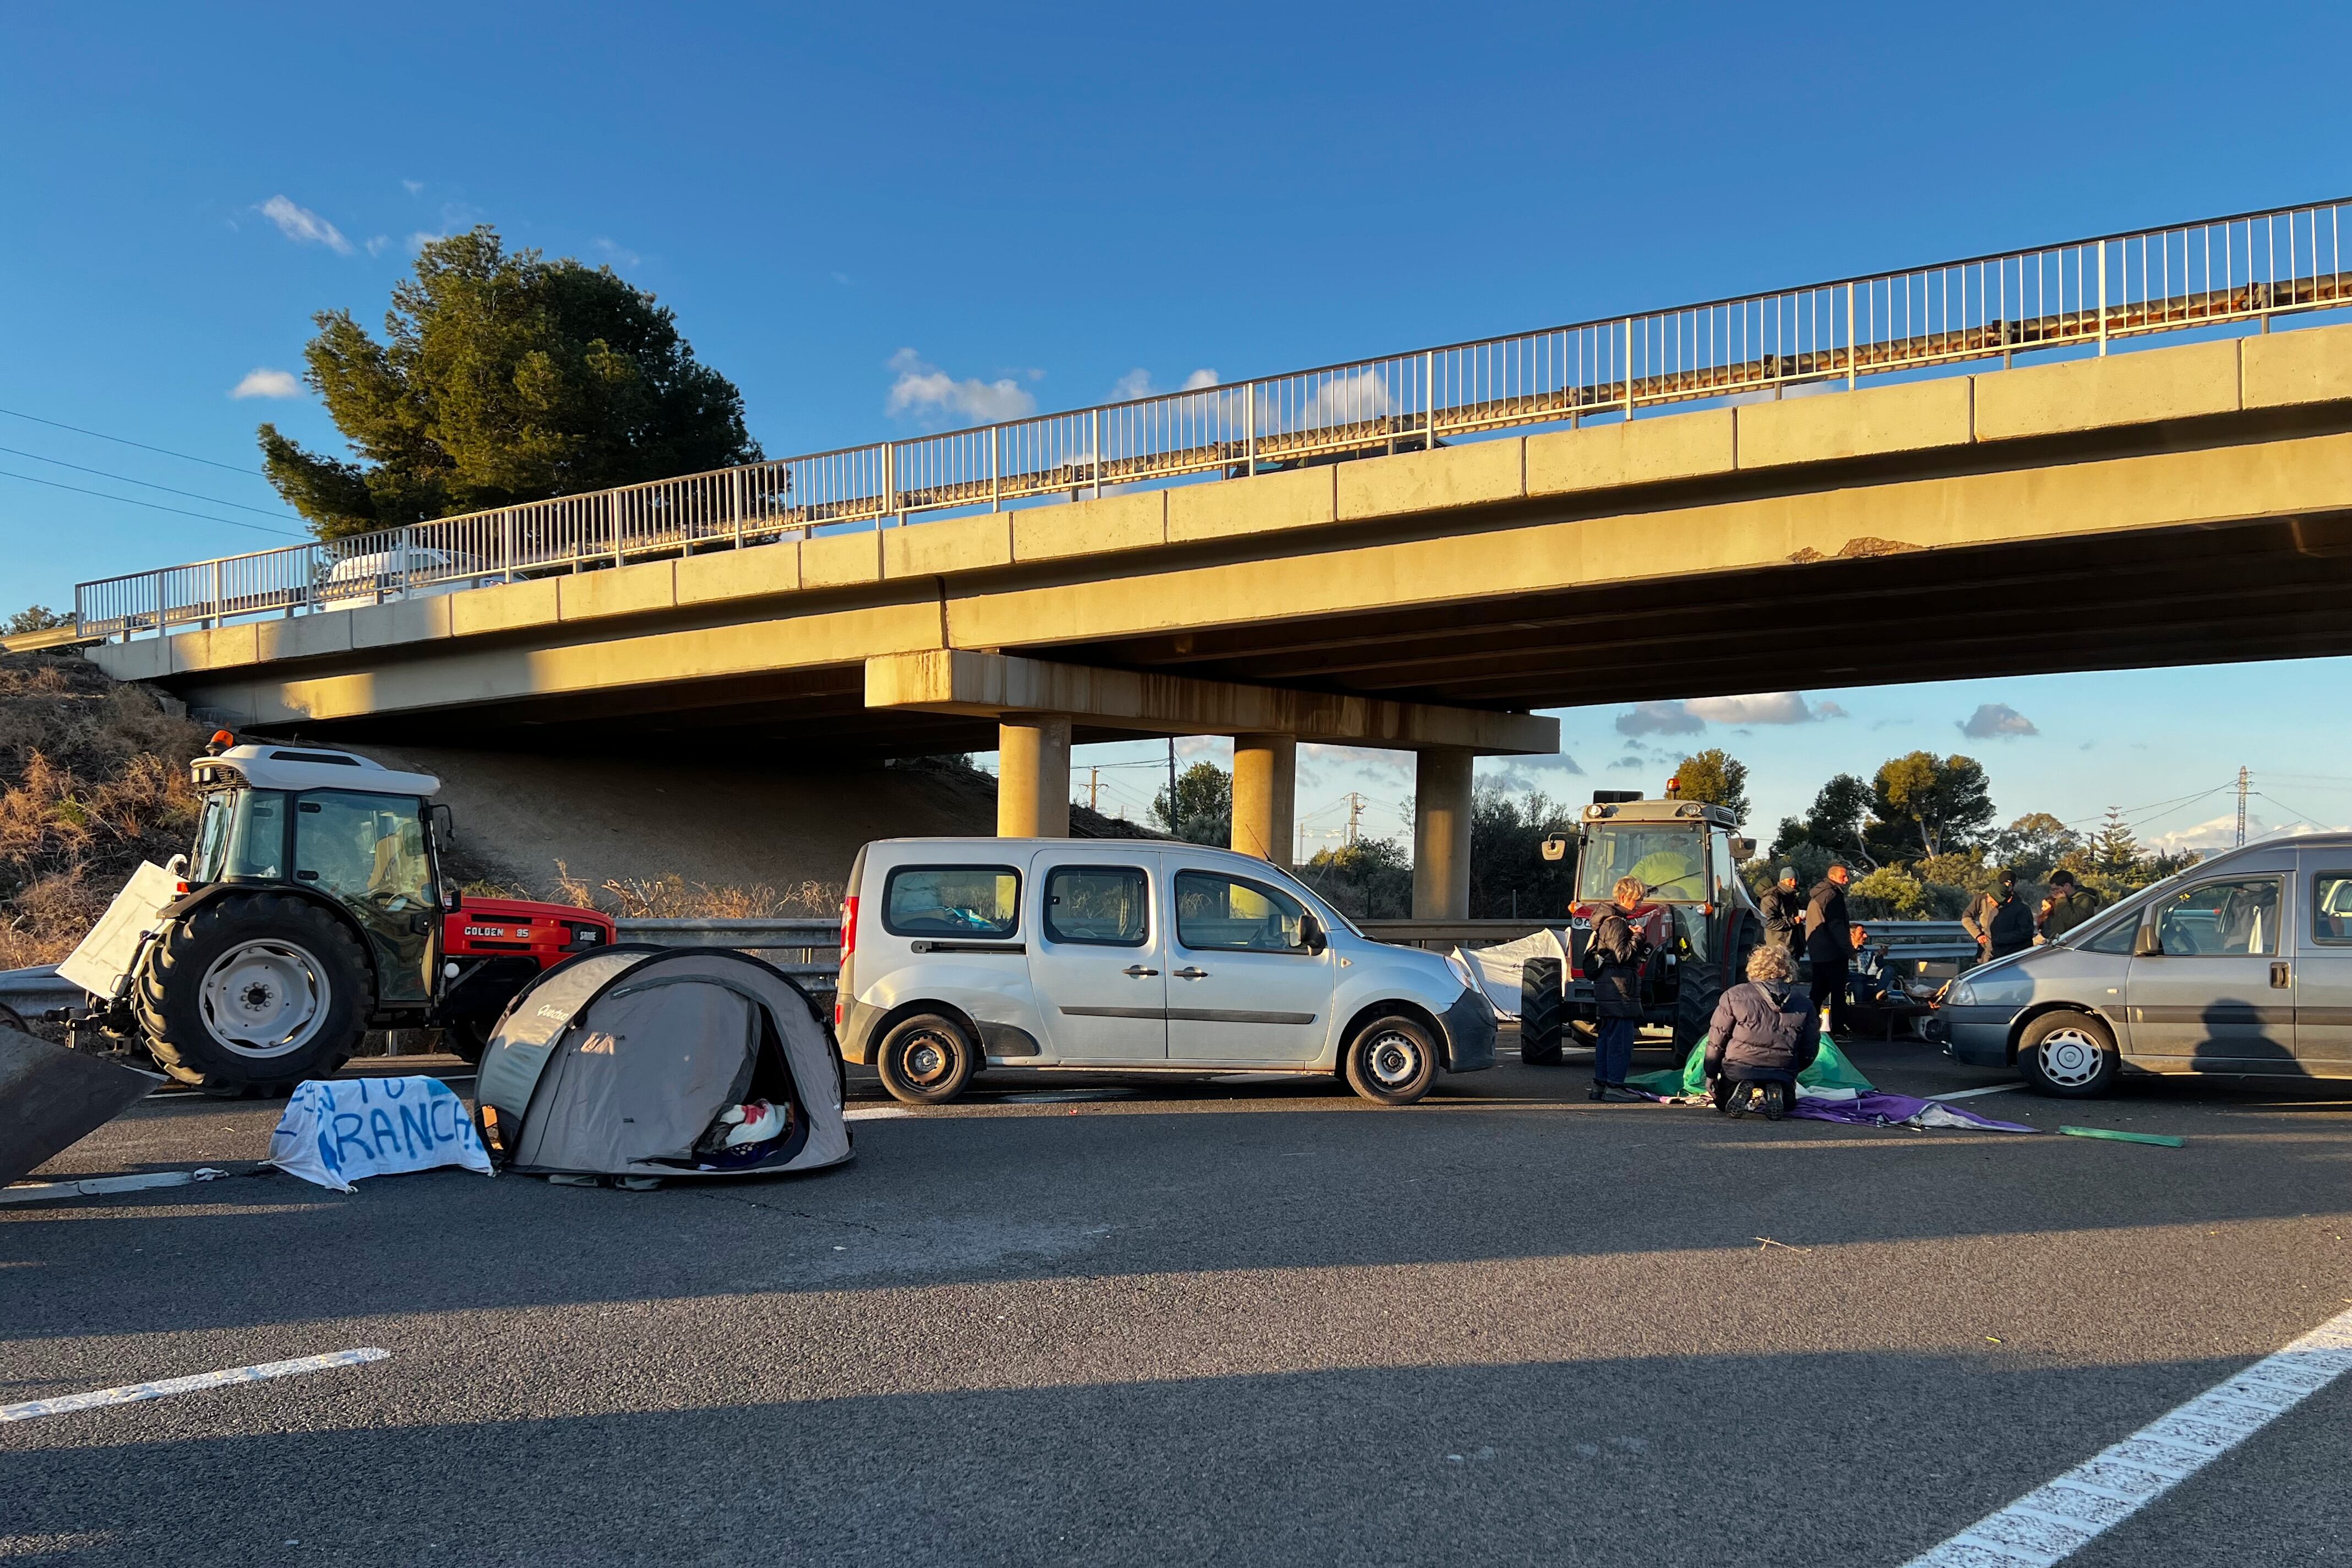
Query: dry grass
{"type": "Point", "coordinates": [675, 897]}
{"type": "Point", "coordinates": [93, 780]}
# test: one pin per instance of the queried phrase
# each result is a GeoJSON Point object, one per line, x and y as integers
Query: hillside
{"type": "Point", "coordinates": [93, 780]}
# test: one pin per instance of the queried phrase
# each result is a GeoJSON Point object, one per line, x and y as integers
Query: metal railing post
{"type": "Point", "coordinates": [2102, 298]}
{"type": "Point", "coordinates": [507, 543]}
{"type": "Point", "coordinates": [216, 594]}
{"type": "Point", "coordinates": [996, 468]}
{"type": "Point", "coordinates": [612, 511]}
{"type": "Point", "coordinates": [1249, 430]}
{"type": "Point", "coordinates": [1853, 350]}
{"type": "Point", "coordinates": [159, 604]}
{"type": "Point", "coordinates": [1628, 367]}
{"type": "Point", "coordinates": [889, 484]}
{"type": "Point", "coordinates": [1429, 400]}
{"type": "Point", "coordinates": [735, 502]}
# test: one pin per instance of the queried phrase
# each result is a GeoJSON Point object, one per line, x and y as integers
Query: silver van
{"type": "Point", "coordinates": [1131, 955]}
{"type": "Point", "coordinates": [2240, 964]}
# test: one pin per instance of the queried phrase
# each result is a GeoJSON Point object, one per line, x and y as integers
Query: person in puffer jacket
{"type": "Point", "coordinates": [1763, 1033]}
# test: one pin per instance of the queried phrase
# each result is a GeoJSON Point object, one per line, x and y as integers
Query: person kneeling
{"type": "Point", "coordinates": [1762, 1035]}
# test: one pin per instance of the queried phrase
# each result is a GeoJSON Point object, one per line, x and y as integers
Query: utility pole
{"type": "Point", "coordinates": [1355, 813]}
{"type": "Point", "coordinates": [1174, 827]}
{"type": "Point", "coordinates": [2244, 779]}
{"type": "Point", "coordinates": [1094, 788]}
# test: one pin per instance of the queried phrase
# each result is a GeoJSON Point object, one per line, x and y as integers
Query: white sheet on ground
{"type": "Point", "coordinates": [1497, 968]}
{"type": "Point", "coordinates": [335, 1132]}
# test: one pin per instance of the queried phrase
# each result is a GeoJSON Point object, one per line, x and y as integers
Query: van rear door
{"type": "Point", "coordinates": [1097, 955]}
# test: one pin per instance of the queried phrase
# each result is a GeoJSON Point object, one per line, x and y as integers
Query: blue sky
{"type": "Point", "coordinates": [877, 219]}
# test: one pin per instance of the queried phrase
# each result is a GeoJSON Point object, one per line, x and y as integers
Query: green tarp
{"type": "Point", "coordinates": [1830, 1070]}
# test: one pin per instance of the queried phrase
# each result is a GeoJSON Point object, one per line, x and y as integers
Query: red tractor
{"type": "Point", "coordinates": [312, 909]}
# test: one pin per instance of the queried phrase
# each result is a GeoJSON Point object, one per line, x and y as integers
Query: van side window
{"type": "Point", "coordinates": [1098, 905]}
{"type": "Point", "coordinates": [1215, 911]}
{"type": "Point", "coordinates": [953, 900]}
{"type": "Point", "coordinates": [2221, 918]}
{"type": "Point", "coordinates": [2331, 906]}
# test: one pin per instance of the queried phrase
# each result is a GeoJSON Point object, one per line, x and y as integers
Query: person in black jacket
{"type": "Point", "coordinates": [2001, 922]}
{"type": "Point", "coordinates": [1830, 942]}
{"type": "Point", "coordinates": [1762, 1034]}
{"type": "Point", "coordinates": [1783, 907]}
{"type": "Point", "coordinates": [1613, 958]}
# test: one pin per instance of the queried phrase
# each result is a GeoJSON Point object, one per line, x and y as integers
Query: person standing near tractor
{"type": "Point", "coordinates": [2001, 922]}
{"type": "Point", "coordinates": [1830, 940]}
{"type": "Point", "coordinates": [1783, 907]}
{"type": "Point", "coordinates": [1614, 957]}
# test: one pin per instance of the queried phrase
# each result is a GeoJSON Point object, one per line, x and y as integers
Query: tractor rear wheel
{"type": "Point", "coordinates": [253, 993]}
{"type": "Point", "coordinates": [1542, 1004]}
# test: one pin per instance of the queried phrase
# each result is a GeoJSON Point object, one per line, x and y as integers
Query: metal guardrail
{"type": "Point", "coordinates": [2085, 292]}
{"type": "Point", "coordinates": [35, 991]}
{"type": "Point", "coordinates": [807, 950]}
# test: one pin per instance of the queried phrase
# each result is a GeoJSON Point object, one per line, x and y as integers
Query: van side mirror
{"type": "Point", "coordinates": [1555, 846]}
{"type": "Point", "coordinates": [2144, 944]}
{"type": "Point", "coordinates": [1310, 934]}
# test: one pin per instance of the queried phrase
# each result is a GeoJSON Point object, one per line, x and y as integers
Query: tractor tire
{"type": "Point", "coordinates": [1542, 1006]}
{"type": "Point", "coordinates": [252, 993]}
{"type": "Point", "coordinates": [468, 1038]}
{"type": "Point", "coordinates": [1695, 999]}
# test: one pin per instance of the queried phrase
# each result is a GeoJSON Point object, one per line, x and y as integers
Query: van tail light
{"type": "Point", "coordinates": [849, 925]}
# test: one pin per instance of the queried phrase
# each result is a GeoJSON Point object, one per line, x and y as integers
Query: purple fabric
{"type": "Point", "coordinates": [1874, 1108]}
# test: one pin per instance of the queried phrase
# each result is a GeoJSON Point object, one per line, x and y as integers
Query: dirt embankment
{"type": "Point", "coordinates": [93, 780]}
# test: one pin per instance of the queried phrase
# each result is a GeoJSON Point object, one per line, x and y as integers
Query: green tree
{"type": "Point", "coordinates": [2113, 850]}
{"type": "Point", "coordinates": [1509, 877]}
{"type": "Point", "coordinates": [1830, 828]}
{"type": "Point", "coordinates": [1925, 804]}
{"type": "Point", "coordinates": [34, 618]}
{"type": "Point", "coordinates": [2033, 846]}
{"type": "Point", "coordinates": [501, 378]}
{"type": "Point", "coordinates": [1371, 880]}
{"type": "Point", "coordinates": [1715, 776]}
{"type": "Point", "coordinates": [1204, 805]}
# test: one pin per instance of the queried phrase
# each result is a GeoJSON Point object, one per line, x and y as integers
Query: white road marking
{"type": "Point", "coordinates": [132, 1393]}
{"type": "Point", "coordinates": [1972, 1094]}
{"type": "Point", "coordinates": [875, 1112]}
{"type": "Point", "coordinates": [2052, 1523]}
{"type": "Point", "coordinates": [34, 1193]}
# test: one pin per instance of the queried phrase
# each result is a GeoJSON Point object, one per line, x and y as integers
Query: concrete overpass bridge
{"type": "Point", "coordinates": [1505, 538]}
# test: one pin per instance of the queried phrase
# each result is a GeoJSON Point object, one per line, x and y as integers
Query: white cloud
{"type": "Point", "coordinates": [304, 226]}
{"type": "Point", "coordinates": [422, 238]}
{"type": "Point", "coordinates": [619, 255]}
{"type": "Point", "coordinates": [375, 246]}
{"type": "Point", "coordinates": [1996, 720]}
{"type": "Point", "coordinates": [1621, 764]}
{"type": "Point", "coordinates": [1689, 717]}
{"type": "Point", "coordinates": [1138, 383]}
{"type": "Point", "coordinates": [413, 187]}
{"type": "Point", "coordinates": [267, 384]}
{"type": "Point", "coordinates": [1525, 775]}
{"type": "Point", "coordinates": [1765, 707]}
{"type": "Point", "coordinates": [2222, 832]}
{"type": "Point", "coordinates": [923, 389]}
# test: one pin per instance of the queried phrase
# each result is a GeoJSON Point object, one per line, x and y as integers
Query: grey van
{"type": "Point", "coordinates": [2240, 964]}
{"type": "Point", "coordinates": [1131, 955]}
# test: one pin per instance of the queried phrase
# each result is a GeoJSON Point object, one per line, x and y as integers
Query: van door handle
{"type": "Point", "coordinates": [1136, 972]}
{"type": "Point", "coordinates": [2278, 977]}
{"type": "Point", "coordinates": [1189, 973]}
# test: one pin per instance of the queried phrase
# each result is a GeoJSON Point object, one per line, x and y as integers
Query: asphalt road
{"type": "Point", "coordinates": [1198, 1323]}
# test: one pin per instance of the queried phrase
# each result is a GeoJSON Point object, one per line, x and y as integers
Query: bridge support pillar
{"type": "Point", "coordinates": [1265, 794]}
{"type": "Point", "coordinates": [1441, 836]}
{"type": "Point", "coordinates": [1033, 776]}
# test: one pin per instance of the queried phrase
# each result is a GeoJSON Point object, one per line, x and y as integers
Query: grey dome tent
{"type": "Point", "coordinates": [620, 1062]}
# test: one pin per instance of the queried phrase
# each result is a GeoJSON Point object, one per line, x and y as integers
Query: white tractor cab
{"type": "Point", "coordinates": [1134, 955]}
{"type": "Point", "coordinates": [1694, 911]}
{"type": "Point", "coordinates": [312, 910]}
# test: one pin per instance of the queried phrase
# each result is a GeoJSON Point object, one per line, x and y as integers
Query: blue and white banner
{"type": "Point", "coordinates": [334, 1133]}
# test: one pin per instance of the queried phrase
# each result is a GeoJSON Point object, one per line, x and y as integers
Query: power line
{"type": "Point", "coordinates": [148, 484]}
{"type": "Point", "coordinates": [125, 441]}
{"type": "Point", "coordinates": [151, 506]}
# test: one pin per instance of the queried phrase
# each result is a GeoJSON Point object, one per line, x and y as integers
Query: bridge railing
{"type": "Point", "coordinates": [2087, 292]}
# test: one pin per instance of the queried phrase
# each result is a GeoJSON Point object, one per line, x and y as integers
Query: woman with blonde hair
{"type": "Point", "coordinates": [1613, 958]}
{"type": "Point", "coordinates": [1762, 1035]}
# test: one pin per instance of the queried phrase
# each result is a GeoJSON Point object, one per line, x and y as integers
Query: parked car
{"type": "Point", "coordinates": [1133, 955]}
{"type": "Point", "coordinates": [2240, 964]}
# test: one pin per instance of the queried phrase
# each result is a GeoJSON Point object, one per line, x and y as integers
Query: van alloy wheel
{"type": "Point", "coordinates": [265, 998]}
{"type": "Point", "coordinates": [2069, 1057]}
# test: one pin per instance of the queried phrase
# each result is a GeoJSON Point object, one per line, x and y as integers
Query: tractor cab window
{"type": "Point", "coordinates": [241, 833]}
{"type": "Point", "coordinates": [1671, 862]}
{"type": "Point", "coordinates": [363, 849]}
